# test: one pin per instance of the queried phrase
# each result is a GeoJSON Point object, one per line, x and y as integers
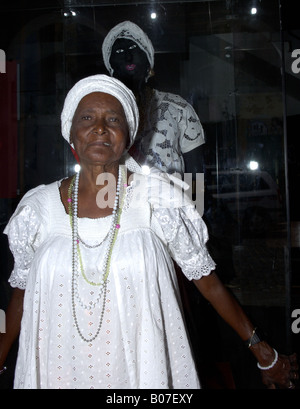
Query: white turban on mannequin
{"type": "Point", "coordinates": [100, 83]}
{"type": "Point", "coordinates": [130, 31]}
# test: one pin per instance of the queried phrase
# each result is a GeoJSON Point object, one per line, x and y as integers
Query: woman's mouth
{"type": "Point", "coordinates": [130, 67]}
{"type": "Point", "coordinates": [100, 143]}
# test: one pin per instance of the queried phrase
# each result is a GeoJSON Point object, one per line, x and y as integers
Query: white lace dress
{"type": "Point", "coordinates": [143, 341]}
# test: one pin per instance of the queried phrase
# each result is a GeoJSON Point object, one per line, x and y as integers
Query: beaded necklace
{"type": "Point", "coordinates": [77, 262]}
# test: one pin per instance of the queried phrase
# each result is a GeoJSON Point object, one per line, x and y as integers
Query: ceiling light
{"type": "Point", "coordinates": [253, 165]}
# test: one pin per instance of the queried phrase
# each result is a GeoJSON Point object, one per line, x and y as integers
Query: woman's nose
{"type": "Point", "coordinates": [100, 126]}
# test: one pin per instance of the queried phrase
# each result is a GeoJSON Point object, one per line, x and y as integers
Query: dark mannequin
{"type": "Point", "coordinates": [131, 66]}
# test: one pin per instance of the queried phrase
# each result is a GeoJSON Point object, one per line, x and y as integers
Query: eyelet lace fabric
{"type": "Point", "coordinates": [143, 342]}
{"type": "Point", "coordinates": [186, 235]}
{"type": "Point", "coordinates": [25, 236]}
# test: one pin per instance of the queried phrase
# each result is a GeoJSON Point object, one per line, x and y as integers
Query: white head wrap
{"type": "Point", "coordinates": [100, 83]}
{"type": "Point", "coordinates": [130, 31]}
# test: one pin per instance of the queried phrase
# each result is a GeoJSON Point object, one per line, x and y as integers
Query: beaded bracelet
{"type": "Point", "coordinates": [3, 370]}
{"type": "Point", "coordinates": [265, 368]}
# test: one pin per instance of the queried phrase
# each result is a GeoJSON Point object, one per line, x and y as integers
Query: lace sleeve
{"type": "Point", "coordinates": [24, 232]}
{"type": "Point", "coordinates": [186, 235]}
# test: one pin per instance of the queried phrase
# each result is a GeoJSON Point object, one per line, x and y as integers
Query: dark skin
{"type": "Point", "coordinates": [285, 371]}
{"type": "Point", "coordinates": [131, 66]}
{"type": "Point", "coordinates": [100, 134]}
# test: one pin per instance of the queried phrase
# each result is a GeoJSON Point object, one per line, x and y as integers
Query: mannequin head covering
{"type": "Point", "coordinates": [129, 31]}
{"type": "Point", "coordinates": [100, 83]}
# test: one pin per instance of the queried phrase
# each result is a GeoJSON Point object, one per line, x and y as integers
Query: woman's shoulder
{"type": "Point", "coordinates": [172, 99]}
{"type": "Point", "coordinates": [34, 207]}
{"type": "Point", "coordinates": [40, 195]}
{"type": "Point", "coordinates": [42, 189]}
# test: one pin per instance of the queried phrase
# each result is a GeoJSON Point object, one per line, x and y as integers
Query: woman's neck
{"type": "Point", "coordinates": [91, 175]}
{"type": "Point", "coordinates": [97, 191]}
{"type": "Point", "coordinates": [95, 194]}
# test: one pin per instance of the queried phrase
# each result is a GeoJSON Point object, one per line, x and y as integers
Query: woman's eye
{"type": "Point", "coordinates": [132, 47]}
{"type": "Point", "coordinates": [119, 51]}
{"type": "Point", "coordinates": [86, 117]}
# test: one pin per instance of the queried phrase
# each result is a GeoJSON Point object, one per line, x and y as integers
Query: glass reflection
{"type": "Point", "coordinates": [225, 59]}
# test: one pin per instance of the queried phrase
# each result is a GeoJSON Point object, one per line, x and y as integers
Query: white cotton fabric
{"type": "Point", "coordinates": [143, 341]}
{"type": "Point", "coordinates": [171, 128]}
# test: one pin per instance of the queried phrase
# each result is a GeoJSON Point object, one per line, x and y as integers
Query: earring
{"type": "Point", "coordinates": [151, 73]}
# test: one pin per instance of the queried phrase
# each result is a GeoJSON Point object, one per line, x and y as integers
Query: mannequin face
{"type": "Point", "coordinates": [129, 62]}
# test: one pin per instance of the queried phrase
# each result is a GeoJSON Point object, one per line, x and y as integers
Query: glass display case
{"type": "Point", "coordinates": [237, 62]}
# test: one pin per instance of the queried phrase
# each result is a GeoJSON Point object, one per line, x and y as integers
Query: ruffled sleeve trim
{"type": "Point", "coordinates": [26, 231]}
{"type": "Point", "coordinates": [186, 235]}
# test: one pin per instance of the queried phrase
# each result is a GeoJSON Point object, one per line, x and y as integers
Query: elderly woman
{"type": "Point", "coordinates": [101, 304]}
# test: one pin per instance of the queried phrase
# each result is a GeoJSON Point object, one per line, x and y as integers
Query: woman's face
{"type": "Point", "coordinates": [129, 61]}
{"type": "Point", "coordinates": [99, 129]}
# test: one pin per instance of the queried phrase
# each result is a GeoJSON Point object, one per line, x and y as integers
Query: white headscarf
{"type": "Point", "coordinates": [100, 83]}
{"type": "Point", "coordinates": [130, 31]}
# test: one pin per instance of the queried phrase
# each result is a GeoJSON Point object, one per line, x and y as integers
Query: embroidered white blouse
{"type": "Point", "coordinates": [171, 128]}
{"type": "Point", "coordinates": [143, 341]}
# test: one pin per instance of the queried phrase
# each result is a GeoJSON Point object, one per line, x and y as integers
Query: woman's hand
{"type": "Point", "coordinates": [284, 373]}
{"type": "Point", "coordinates": [13, 322]}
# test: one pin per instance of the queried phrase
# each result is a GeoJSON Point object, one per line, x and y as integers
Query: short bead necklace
{"type": "Point", "coordinates": [76, 254]}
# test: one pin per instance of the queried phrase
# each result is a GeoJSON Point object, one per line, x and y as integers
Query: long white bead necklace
{"type": "Point", "coordinates": [77, 264]}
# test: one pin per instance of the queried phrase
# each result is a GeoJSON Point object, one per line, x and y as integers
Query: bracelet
{"type": "Point", "coordinates": [3, 370]}
{"type": "Point", "coordinates": [265, 368]}
{"type": "Point", "coordinates": [255, 338]}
